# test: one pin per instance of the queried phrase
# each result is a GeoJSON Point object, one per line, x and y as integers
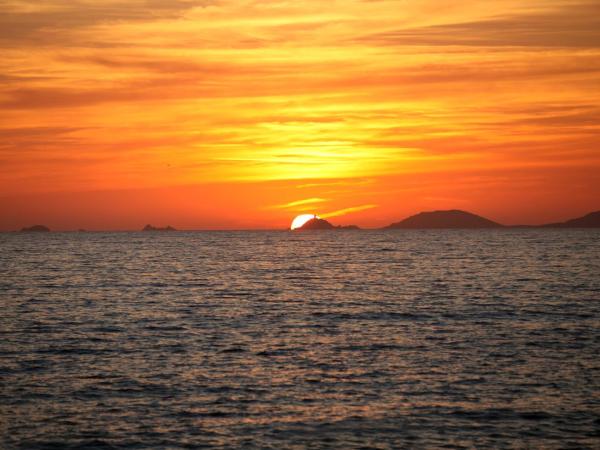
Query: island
{"type": "Point", "coordinates": [36, 229]}
{"type": "Point", "coordinates": [591, 220]}
{"type": "Point", "coordinates": [321, 224]}
{"type": "Point", "coordinates": [444, 219]}
{"type": "Point", "coordinates": [462, 219]}
{"type": "Point", "coordinates": [151, 228]}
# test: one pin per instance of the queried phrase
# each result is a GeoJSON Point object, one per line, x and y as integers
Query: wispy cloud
{"type": "Point", "coordinates": [57, 22]}
{"type": "Point", "coordinates": [572, 25]}
{"type": "Point", "coordinates": [295, 204]}
{"type": "Point", "coordinates": [349, 182]}
{"type": "Point", "coordinates": [343, 212]}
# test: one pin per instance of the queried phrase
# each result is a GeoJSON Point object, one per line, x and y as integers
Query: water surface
{"type": "Point", "coordinates": [375, 339]}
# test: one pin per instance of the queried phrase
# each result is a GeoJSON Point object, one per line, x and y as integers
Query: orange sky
{"type": "Point", "coordinates": [242, 114]}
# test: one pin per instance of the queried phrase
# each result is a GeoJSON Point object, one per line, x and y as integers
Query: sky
{"type": "Point", "coordinates": [241, 114]}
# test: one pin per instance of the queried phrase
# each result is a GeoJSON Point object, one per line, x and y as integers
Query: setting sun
{"type": "Point", "coordinates": [301, 220]}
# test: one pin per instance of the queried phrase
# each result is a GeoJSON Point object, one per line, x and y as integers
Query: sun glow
{"type": "Point", "coordinates": [301, 220]}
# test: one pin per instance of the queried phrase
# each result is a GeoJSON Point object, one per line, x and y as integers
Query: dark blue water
{"type": "Point", "coordinates": [416, 339]}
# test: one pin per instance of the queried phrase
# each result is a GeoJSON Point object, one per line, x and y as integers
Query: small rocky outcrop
{"type": "Point", "coordinates": [316, 224]}
{"type": "Point", "coordinates": [151, 228]}
{"type": "Point", "coordinates": [36, 229]}
{"type": "Point", "coordinates": [322, 224]}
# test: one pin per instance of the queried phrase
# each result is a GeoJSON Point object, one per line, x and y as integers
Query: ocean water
{"type": "Point", "coordinates": [279, 340]}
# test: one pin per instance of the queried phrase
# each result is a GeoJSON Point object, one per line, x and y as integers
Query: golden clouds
{"type": "Point", "coordinates": [343, 212]}
{"type": "Point", "coordinates": [302, 203]}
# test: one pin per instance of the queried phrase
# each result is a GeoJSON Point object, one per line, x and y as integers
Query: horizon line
{"type": "Point", "coordinates": [164, 229]}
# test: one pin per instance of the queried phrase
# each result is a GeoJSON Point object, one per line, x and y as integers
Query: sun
{"type": "Point", "coordinates": [301, 220]}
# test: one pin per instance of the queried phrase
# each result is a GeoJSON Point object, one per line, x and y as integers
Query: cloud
{"type": "Point", "coordinates": [343, 212]}
{"type": "Point", "coordinates": [573, 25]}
{"type": "Point", "coordinates": [307, 201]}
{"type": "Point", "coordinates": [35, 132]}
{"type": "Point", "coordinates": [34, 21]}
{"type": "Point", "coordinates": [345, 182]}
{"type": "Point", "coordinates": [578, 119]}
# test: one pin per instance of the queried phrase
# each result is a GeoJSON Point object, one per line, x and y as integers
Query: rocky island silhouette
{"type": "Point", "coordinates": [36, 229]}
{"type": "Point", "coordinates": [321, 224]}
{"type": "Point", "coordinates": [591, 220]}
{"type": "Point", "coordinates": [453, 218]}
{"type": "Point", "coordinates": [151, 228]}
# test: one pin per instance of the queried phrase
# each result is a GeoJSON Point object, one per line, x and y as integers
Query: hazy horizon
{"type": "Point", "coordinates": [178, 228]}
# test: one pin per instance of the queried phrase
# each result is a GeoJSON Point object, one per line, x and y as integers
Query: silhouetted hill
{"type": "Point", "coordinates": [445, 219]}
{"type": "Point", "coordinates": [591, 220]}
{"type": "Point", "coordinates": [36, 229]}
{"type": "Point", "coordinates": [151, 228]}
{"type": "Point", "coordinates": [322, 224]}
{"type": "Point", "coordinates": [316, 224]}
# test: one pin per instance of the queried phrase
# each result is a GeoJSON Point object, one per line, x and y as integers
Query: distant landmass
{"type": "Point", "coordinates": [450, 219]}
{"type": "Point", "coordinates": [36, 229]}
{"type": "Point", "coordinates": [591, 220]}
{"type": "Point", "coordinates": [456, 219]}
{"type": "Point", "coordinates": [151, 228]}
{"type": "Point", "coordinates": [463, 219]}
{"type": "Point", "coordinates": [445, 219]}
{"type": "Point", "coordinates": [322, 224]}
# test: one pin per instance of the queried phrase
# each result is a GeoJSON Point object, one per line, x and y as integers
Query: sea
{"type": "Point", "coordinates": [300, 340]}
